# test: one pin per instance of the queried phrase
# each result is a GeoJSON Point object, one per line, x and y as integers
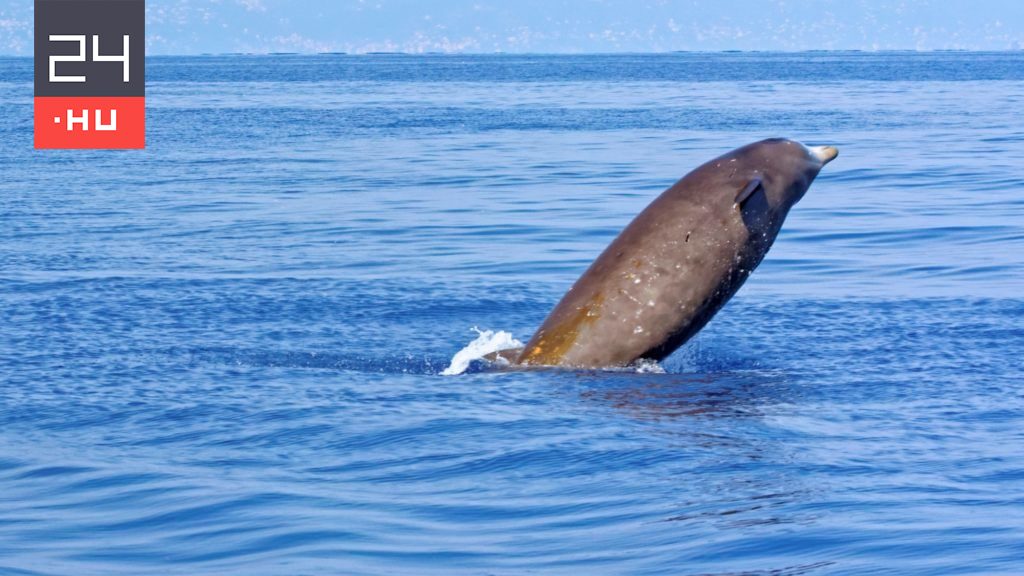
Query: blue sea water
{"type": "Point", "coordinates": [222, 354]}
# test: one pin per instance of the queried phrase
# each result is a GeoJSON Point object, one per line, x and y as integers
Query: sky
{"type": "Point", "coordinates": [558, 26]}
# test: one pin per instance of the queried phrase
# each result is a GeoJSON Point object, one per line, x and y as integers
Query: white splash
{"type": "Point", "coordinates": [487, 342]}
{"type": "Point", "coordinates": [647, 366]}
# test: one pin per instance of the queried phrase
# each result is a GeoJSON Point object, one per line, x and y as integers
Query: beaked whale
{"type": "Point", "coordinates": [678, 262]}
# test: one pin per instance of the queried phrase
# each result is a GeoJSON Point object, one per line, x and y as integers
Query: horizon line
{"type": "Point", "coordinates": [619, 53]}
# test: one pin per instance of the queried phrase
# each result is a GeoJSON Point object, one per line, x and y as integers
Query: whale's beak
{"type": "Point", "coordinates": [824, 154]}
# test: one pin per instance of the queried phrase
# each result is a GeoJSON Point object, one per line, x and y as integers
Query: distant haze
{"type": "Point", "coordinates": [558, 26]}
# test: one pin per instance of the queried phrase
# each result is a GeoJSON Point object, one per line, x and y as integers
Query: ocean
{"type": "Point", "coordinates": [223, 354]}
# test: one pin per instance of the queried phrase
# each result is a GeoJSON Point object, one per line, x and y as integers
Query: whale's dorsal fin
{"type": "Point", "coordinates": [748, 191]}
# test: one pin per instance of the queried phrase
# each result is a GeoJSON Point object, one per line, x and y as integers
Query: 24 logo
{"type": "Point", "coordinates": [88, 95]}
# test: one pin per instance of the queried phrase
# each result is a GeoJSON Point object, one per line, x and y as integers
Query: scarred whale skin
{"type": "Point", "coordinates": [679, 261]}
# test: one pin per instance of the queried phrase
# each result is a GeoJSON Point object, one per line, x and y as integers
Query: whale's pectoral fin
{"type": "Point", "coordinates": [752, 187]}
{"type": "Point", "coordinates": [507, 356]}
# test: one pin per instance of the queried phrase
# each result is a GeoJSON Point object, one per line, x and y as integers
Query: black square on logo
{"type": "Point", "coordinates": [65, 34]}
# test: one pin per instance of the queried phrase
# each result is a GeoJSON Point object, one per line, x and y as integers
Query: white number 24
{"type": "Point", "coordinates": [80, 57]}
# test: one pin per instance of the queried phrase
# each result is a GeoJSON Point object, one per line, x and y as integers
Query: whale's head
{"type": "Point", "coordinates": [786, 168]}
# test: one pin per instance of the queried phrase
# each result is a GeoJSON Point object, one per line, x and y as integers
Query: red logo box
{"type": "Point", "coordinates": [90, 122]}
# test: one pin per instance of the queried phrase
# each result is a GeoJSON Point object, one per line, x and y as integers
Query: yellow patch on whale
{"type": "Point", "coordinates": [554, 343]}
